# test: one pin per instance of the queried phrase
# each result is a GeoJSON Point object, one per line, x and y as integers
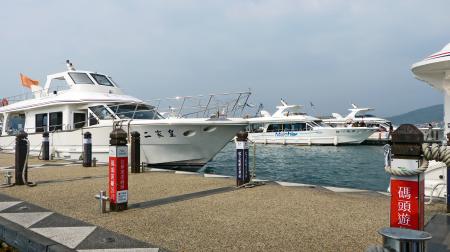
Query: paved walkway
{"type": "Point", "coordinates": [439, 227]}
{"type": "Point", "coordinates": [191, 212]}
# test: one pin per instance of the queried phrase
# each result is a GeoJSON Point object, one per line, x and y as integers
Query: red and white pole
{"type": "Point", "coordinates": [118, 170]}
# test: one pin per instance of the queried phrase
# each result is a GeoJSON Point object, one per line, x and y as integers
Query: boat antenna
{"type": "Point", "coordinates": [70, 66]}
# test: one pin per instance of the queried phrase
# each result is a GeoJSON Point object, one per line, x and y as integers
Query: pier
{"type": "Point", "coordinates": [183, 211]}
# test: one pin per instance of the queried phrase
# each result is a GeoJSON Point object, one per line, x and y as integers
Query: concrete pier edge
{"type": "Point", "coordinates": [23, 239]}
{"type": "Point", "coordinates": [28, 227]}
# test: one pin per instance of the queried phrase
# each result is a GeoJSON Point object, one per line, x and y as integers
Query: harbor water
{"type": "Point", "coordinates": [357, 166]}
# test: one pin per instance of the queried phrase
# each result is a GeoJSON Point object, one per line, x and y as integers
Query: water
{"type": "Point", "coordinates": [359, 166]}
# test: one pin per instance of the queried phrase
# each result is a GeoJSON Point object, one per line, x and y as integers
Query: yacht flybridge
{"type": "Point", "coordinates": [359, 117]}
{"type": "Point", "coordinates": [288, 125]}
{"type": "Point", "coordinates": [90, 101]}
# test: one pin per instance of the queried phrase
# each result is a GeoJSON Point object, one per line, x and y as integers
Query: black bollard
{"type": "Point", "coordinates": [135, 157]}
{"type": "Point", "coordinates": [45, 146]}
{"type": "Point", "coordinates": [87, 150]}
{"type": "Point", "coordinates": [242, 162]}
{"type": "Point", "coordinates": [118, 170]}
{"type": "Point", "coordinates": [21, 156]}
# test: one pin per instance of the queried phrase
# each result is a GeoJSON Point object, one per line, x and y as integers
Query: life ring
{"type": "Point", "coordinates": [5, 102]}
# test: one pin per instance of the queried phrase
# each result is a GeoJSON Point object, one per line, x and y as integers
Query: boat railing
{"type": "Point", "coordinates": [201, 106]}
{"type": "Point", "coordinates": [30, 95]}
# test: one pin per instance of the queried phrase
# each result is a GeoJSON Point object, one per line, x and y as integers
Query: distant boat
{"type": "Point", "coordinates": [358, 116]}
{"type": "Point", "coordinates": [93, 102]}
{"type": "Point", "coordinates": [288, 125]}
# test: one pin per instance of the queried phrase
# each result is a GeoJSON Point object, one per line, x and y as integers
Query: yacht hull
{"type": "Point", "coordinates": [331, 136]}
{"type": "Point", "coordinates": [162, 144]}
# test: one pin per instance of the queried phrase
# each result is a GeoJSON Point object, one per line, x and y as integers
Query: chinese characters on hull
{"type": "Point", "coordinates": [159, 133]}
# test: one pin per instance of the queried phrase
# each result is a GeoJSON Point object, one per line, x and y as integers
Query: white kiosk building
{"type": "Point", "coordinates": [435, 70]}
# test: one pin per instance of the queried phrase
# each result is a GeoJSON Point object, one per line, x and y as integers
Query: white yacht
{"type": "Point", "coordinates": [288, 125]}
{"type": "Point", "coordinates": [90, 101]}
{"type": "Point", "coordinates": [435, 70]}
{"type": "Point", "coordinates": [358, 116]}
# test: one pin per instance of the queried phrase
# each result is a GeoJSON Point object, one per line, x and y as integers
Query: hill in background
{"type": "Point", "coordinates": [433, 113]}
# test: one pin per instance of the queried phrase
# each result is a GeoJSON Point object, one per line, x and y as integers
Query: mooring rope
{"type": "Point", "coordinates": [430, 152]}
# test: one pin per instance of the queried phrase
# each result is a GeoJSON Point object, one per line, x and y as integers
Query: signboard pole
{"type": "Point", "coordinates": [407, 188]}
{"type": "Point", "coordinates": [242, 162]}
{"type": "Point", "coordinates": [118, 170]}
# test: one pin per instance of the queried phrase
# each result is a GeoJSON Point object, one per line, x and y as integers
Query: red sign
{"type": "Point", "coordinates": [407, 202]}
{"type": "Point", "coordinates": [118, 175]}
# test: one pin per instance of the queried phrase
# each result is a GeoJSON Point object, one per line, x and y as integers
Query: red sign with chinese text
{"type": "Point", "coordinates": [118, 174]}
{"type": "Point", "coordinates": [407, 202]}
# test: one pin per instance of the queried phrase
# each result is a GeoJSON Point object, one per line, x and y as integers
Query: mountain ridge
{"type": "Point", "coordinates": [434, 113]}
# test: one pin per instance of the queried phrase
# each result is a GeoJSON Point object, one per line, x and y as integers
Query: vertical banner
{"type": "Point", "coordinates": [407, 202]}
{"type": "Point", "coordinates": [118, 176]}
{"type": "Point", "coordinates": [242, 163]}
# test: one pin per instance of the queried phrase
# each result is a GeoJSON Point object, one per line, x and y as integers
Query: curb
{"type": "Point", "coordinates": [25, 240]}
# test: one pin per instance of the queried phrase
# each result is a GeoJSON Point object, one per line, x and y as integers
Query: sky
{"type": "Point", "coordinates": [327, 52]}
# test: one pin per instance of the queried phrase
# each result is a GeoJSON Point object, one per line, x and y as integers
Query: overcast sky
{"type": "Point", "coordinates": [327, 52]}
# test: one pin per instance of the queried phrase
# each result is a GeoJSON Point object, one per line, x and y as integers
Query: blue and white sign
{"type": "Point", "coordinates": [122, 196]}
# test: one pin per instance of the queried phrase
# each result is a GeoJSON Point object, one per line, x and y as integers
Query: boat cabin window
{"type": "Point", "coordinates": [57, 85]}
{"type": "Point", "coordinates": [55, 121]}
{"type": "Point", "coordinates": [317, 123]}
{"type": "Point", "coordinates": [124, 111]}
{"type": "Point", "coordinates": [288, 127]}
{"type": "Point", "coordinates": [296, 127]}
{"type": "Point", "coordinates": [80, 78]}
{"type": "Point", "coordinates": [79, 120]}
{"type": "Point", "coordinates": [92, 119]}
{"type": "Point", "coordinates": [275, 128]}
{"type": "Point", "coordinates": [101, 112]}
{"type": "Point", "coordinates": [102, 80]}
{"type": "Point", "coordinates": [364, 115]}
{"type": "Point", "coordinates": [135, 111]}
{"type": "Point", "coordinates": [41, 122]}
{"type": "Point", "coordinates": [16, 123]}
{"type": "Point", "coordinates": [256, 128]}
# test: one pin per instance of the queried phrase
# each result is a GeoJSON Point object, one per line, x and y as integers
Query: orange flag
{"type": "Point", "coordinates": [27, 81]}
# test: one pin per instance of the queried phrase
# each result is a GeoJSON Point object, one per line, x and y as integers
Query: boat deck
{"type": "Point", "coordinates": [187, 212]}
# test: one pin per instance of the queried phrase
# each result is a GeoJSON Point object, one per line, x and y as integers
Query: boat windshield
{"type": "Point", "coordinates": [317, 124]}
{"type": "Point", "coordinates": [102, 80]}
{"type": "Point", "coordinates": [135, 111]}
{"type": "Point", "coordinates": [101, 112]}
{"type": "Point", "coordinates": [80, 78]}
{"type": "Point", "coordinates": [364, 115]}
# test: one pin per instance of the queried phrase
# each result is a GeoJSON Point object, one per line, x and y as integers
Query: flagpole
{"type": "Point", "coordinates": [312, 107]}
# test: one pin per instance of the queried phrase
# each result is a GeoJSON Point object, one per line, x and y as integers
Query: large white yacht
{"type": "Point", "coordinates": [358, 116]}
{"type": "Point", "coordinates": [288, 125]}
{"type": "Point", "coordinates": [435, 70]}
{"type": "Point", "coordinates": [90, 101]}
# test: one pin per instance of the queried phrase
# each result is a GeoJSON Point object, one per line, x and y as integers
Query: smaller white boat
{"type": "Point", "coordinates": [359, 117]}
{"type": "Point", "coordinates": [288, 125]}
